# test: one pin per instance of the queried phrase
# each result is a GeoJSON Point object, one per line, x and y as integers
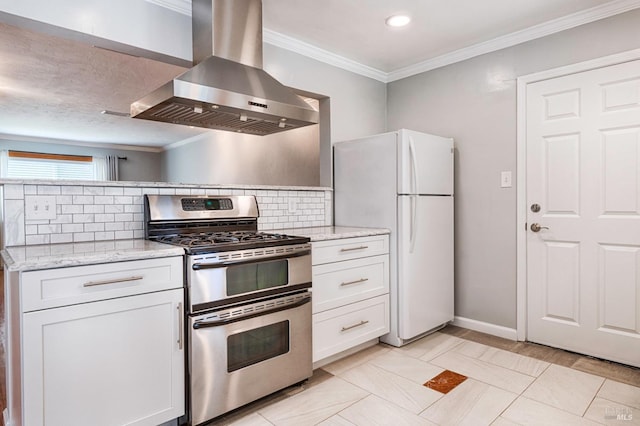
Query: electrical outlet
{"type": "Point", "coordinates": [505, 180]}
{"type": "Point", "coordinates": [40, 207]}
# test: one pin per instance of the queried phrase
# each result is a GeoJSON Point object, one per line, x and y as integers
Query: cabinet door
{"type": "Point", "coordinates": [113, 362]}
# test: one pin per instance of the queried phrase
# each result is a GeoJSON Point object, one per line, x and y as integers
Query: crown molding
{"type": "Point", "coordinates": [311, 51]}
{"type": "Point", "coordinates": [596, 13]}
{"type": "Point", "coordinates": [537, 31]}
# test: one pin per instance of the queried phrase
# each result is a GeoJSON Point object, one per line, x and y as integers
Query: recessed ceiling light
{"type": "Point", "coordinates": [397, 20]}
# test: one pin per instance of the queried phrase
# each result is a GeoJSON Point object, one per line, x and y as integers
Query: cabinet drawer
{"type": "Point", "coordinates": [341, 283]}
{"type": "Point", "coordinates": [79, 284]}
{"type": "Point", "coordinates": [342, 328]}
{"type": "Point", "coordinates": [349, 248]}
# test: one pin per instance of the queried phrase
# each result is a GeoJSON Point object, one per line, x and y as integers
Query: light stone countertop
{"type": "Point", "coordinates": [28, 258]}
{"type": "Point", "coordinates": [322, 233]}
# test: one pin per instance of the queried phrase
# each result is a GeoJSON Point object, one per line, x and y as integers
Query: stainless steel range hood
{"type": "Point", "coordinates": [227, 89]}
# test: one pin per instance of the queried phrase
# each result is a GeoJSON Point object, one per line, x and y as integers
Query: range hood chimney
{"type": "Point", "coordinates": [227, 89]}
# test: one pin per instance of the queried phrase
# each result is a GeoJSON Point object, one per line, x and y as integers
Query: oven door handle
{"type": "Point", "coordinates": [199, 266]}
{"type": "Point", "coordinates": [226, 321]}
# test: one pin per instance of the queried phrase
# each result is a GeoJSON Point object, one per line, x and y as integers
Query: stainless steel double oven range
{"type": "Point", "coordinates": [248, 316]}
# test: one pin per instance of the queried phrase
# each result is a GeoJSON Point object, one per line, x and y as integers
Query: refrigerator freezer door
{"type": "Point", "coordinates": [425, 164]}
{"type": "Point", "coordinates": [425, 263]}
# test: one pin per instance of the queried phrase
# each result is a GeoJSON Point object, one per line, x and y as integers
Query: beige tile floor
{"type": "Point", "coordinates": [509, 383]}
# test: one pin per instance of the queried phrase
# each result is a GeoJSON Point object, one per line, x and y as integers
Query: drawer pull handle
{"type": "Point", "coordinates": [117, 280]}
{"type": "Point", "coordinates": [361, 280]}
{"type": "Point", "coordinates": [354, 248]}
{"type": "Point", "coordinates": [361, 323]}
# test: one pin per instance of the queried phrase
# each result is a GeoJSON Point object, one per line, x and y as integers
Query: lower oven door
{"type": "Point", "coordinates": [246, 352]}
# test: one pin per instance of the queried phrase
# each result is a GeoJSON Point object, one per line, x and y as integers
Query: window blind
{"type": "Point", "coordinates": [27, 165]}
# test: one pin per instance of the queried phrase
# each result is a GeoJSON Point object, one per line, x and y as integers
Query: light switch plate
{"type": "Point", "coordinates": [40, 207]}
{"type": "Point", "coordinates": [505, 179]}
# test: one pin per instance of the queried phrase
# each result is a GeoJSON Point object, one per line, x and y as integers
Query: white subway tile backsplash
{"type": "Point", "coordinates": [49, 229]}
{"type": "Point", "coordinates": [113, 190]}
{"type": "Point", "coordinates": [71, 209]}
{"type": "Point", "coordinates": [94, 190]}
{"type": "Point", "coordinates": [130, 226]}
{"type": "Point", "coordinates": [64, 199]}
{"type": "Point", "coordinates": [132, 191]}
{"type": "Point", "coordinates": [61, 238]}
{"type": "Point", "coordinates": [30, 190]}
{"type": "Point", "coordinates": [123, 200]}
{"type": "Point", "coordinates": [123, 217]}
{"type": "Point", "coordinates": [72, 228]}
{"type": "Point", "coordinates": [96, 213]}
{"type": "Point", "coordinates": [93, 208]}
{"type": "Point", "coordinates": [37, 239]}
{"type": "Point", "coordinates": [72, 190]}
{"type": "Point", "coordinates": [114, 208]}
{"type": "Point", "coordinates": [83, 236]}
{"type": "Point", "coordinates": [83, 199]}
{"type": "Point", "coordinates": [105, 236]}
{"type": "Point", "coordinates": [107, 217]}
{"type": "Point", "coordinates": [103, 199]}
{"type": "Point", "coordinates": [48, 190]}
{"type": "Point", "coordinates": [83, 218]}
{"type": "Point", "coordinates": [63, 218]}
{"type": "Point", "coordinates": [94, 227]}
{"type": "Point", "coordinates": [133, 208]}
{"type": "Point", "coordinates": [114, 226]}
{"type": "Point", "coordinates": [123, 235]}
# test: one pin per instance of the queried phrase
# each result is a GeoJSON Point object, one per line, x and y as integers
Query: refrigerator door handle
{"type": "Point", "coordinates": [414, 166]}
{"type": "Point", "coordinates": [414, 222]}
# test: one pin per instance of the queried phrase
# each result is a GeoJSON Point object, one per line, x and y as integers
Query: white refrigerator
{"type": "Point", "coordinates": [403, 181]}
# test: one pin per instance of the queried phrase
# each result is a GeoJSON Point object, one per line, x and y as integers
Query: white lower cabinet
{"type": "Point", "coordinates": [342, 328]}
{"type": "Point", "coordinates": [115, 361]}
{"type": "Point", "coordinates": [350, 293]}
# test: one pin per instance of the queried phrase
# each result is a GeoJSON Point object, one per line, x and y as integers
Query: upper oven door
{"type": "Point", "coordinates": [235, 277]}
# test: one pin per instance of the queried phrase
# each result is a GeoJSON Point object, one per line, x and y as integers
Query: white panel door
{"type": "Point", "coordinates": [583, 170]}
{"type": "Point", "coordinates": [425, 164]}
{"type": "Point", "coordinates": [112, 362]}
{"type": "Point", "coordinates": [425, 263]}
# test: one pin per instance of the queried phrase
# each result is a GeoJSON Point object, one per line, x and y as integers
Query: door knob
{"type": "Point", "coordinates": [535, 227]}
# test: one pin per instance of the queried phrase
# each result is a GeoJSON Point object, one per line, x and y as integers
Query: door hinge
{"type": "Point", "coordinates": [525, 226]}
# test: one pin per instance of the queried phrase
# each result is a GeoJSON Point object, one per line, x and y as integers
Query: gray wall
{"type": "Point", "coordinates": [474, 102]}
{"type": "Point", "coordinates": [358, 104]}
{"type": "Point", "coordinates": [140, 166]}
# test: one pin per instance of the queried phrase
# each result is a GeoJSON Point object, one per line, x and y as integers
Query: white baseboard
{"type": "Point", "coordinates": [485, 327]}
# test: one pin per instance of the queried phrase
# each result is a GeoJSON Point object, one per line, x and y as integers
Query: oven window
{"type": "Point", "coordinates": [256, 345]}
{"type": "Point", "coordinates": [256, 276]}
